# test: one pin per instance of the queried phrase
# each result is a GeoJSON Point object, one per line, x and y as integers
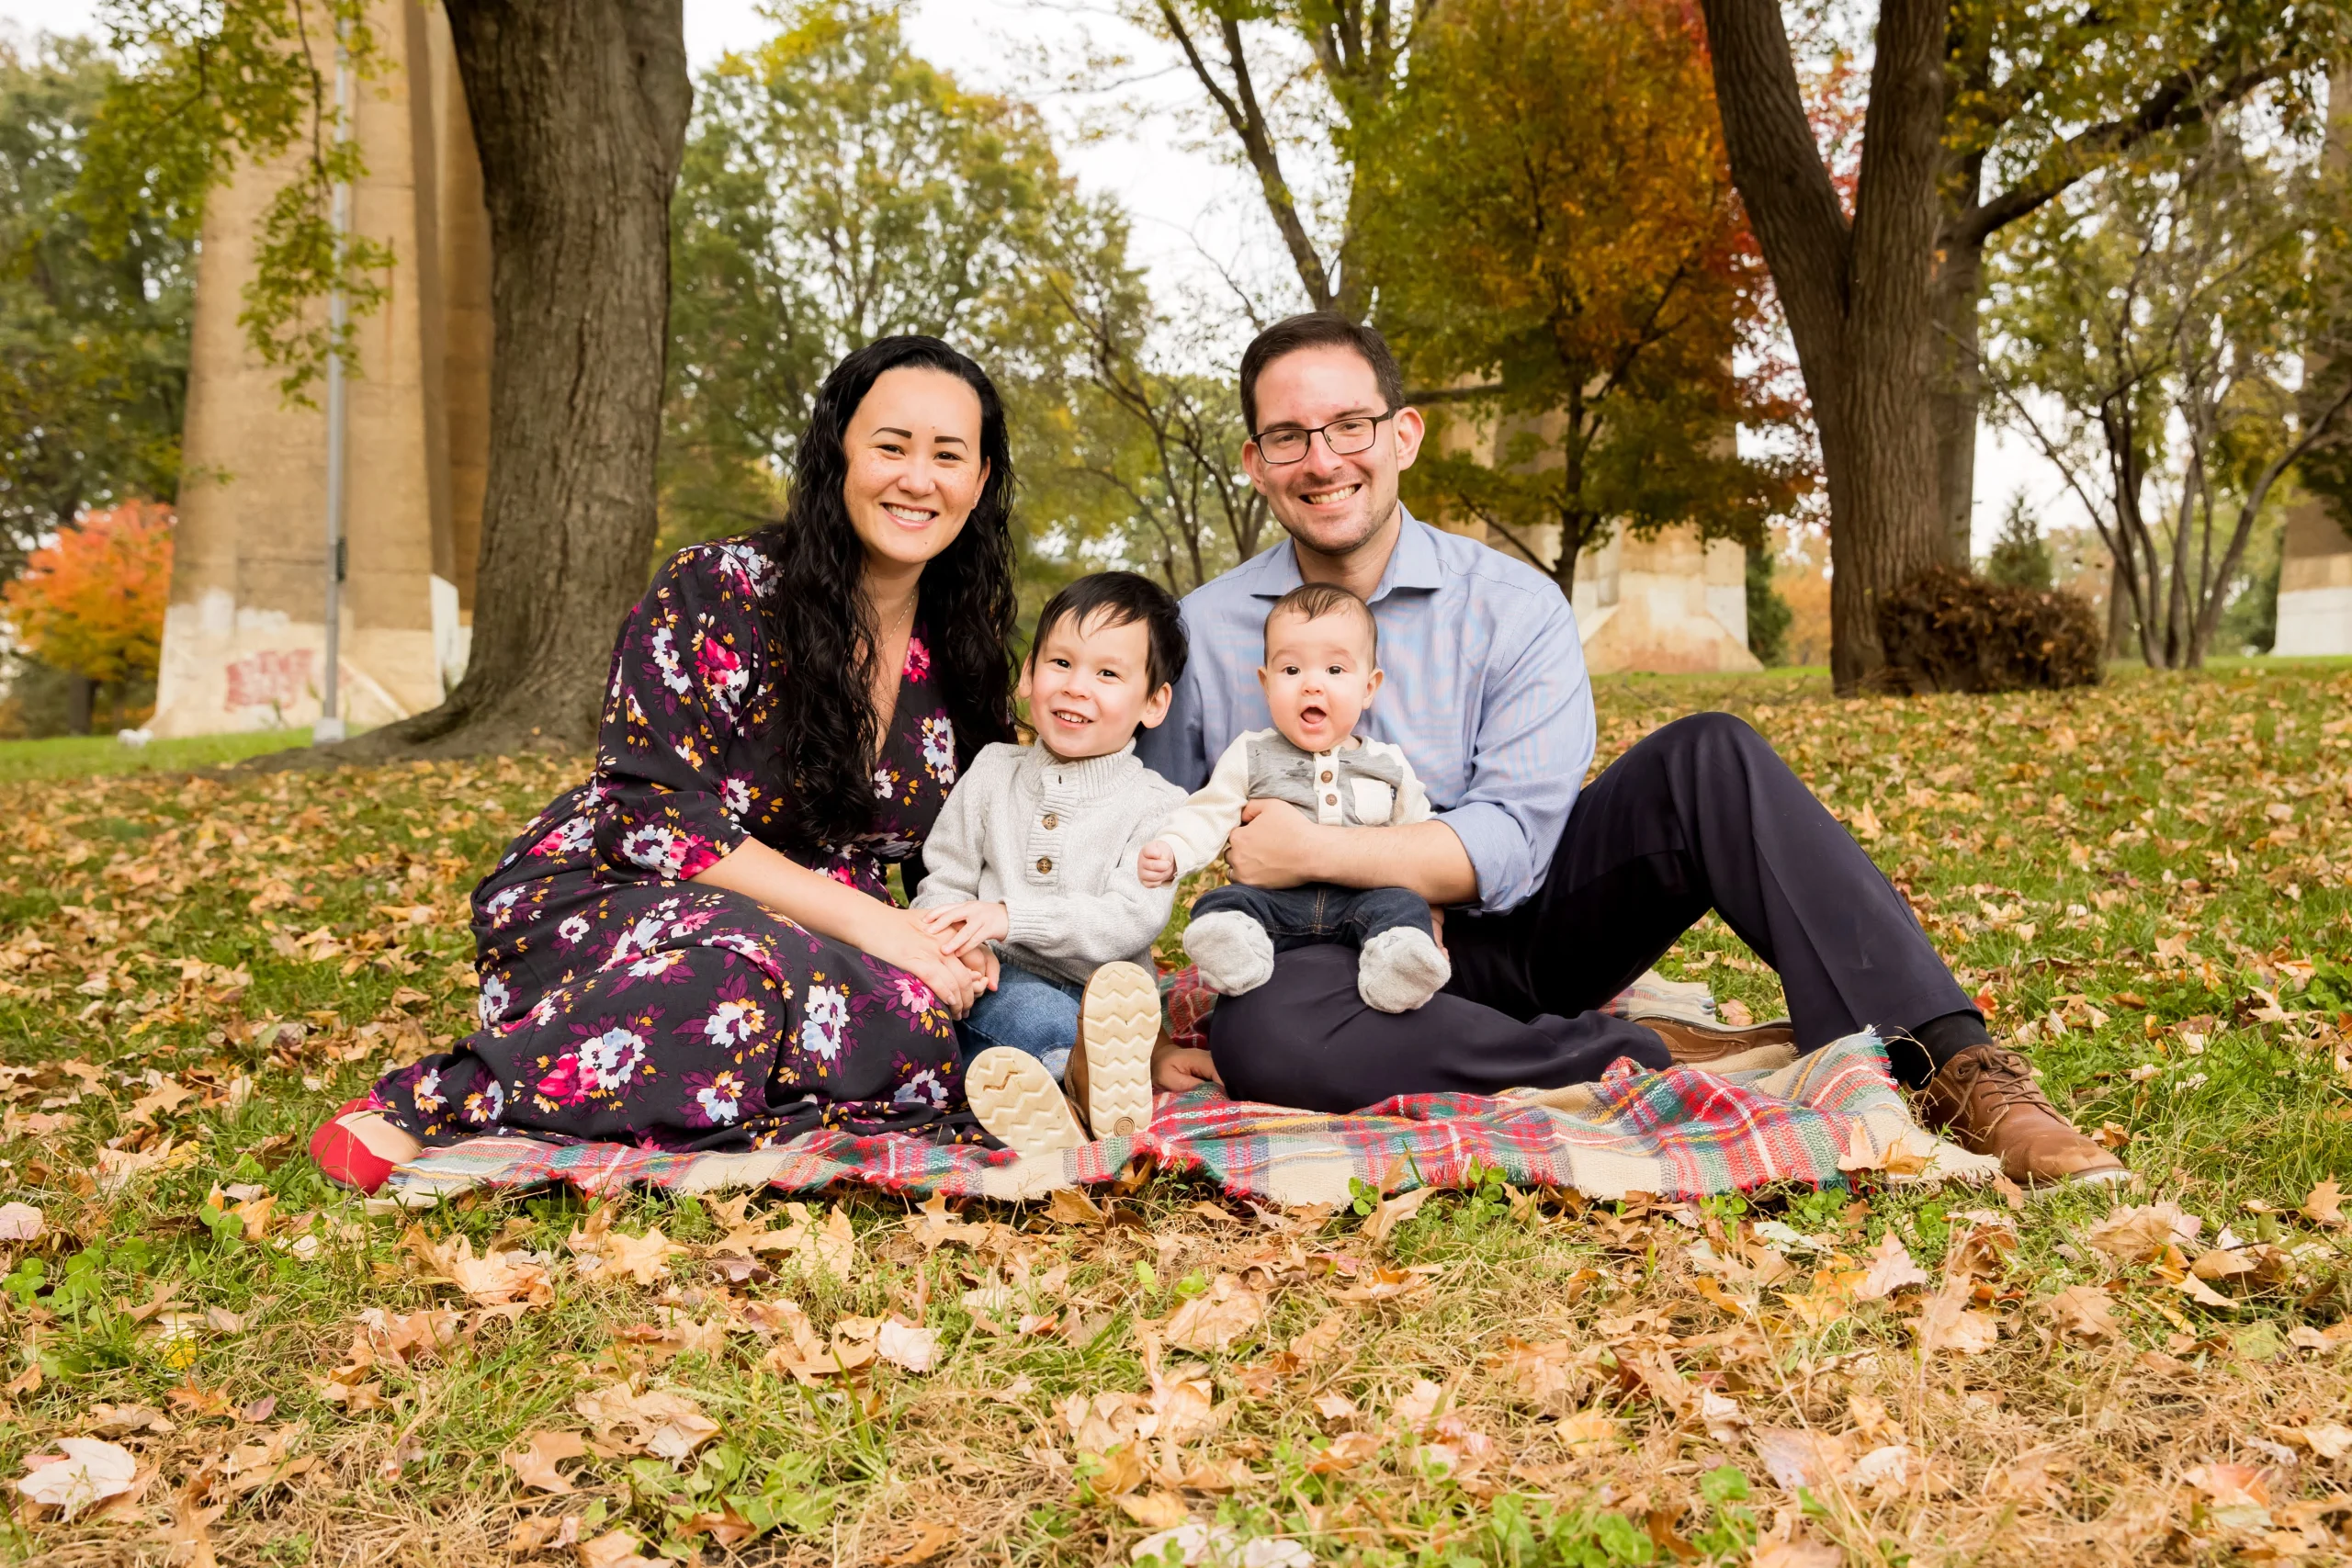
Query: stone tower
{"type": "Point", "coordinates": [244, 637]}
{"type": "Point", "coordinates": [2315, 564]}
{"type": "Point", "coordinates": [1671, 604]}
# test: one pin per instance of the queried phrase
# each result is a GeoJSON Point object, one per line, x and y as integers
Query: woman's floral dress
{"type": "Point", "coordinates": [622, 1001]}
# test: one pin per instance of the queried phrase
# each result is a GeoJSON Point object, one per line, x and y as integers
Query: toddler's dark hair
{"type": "Point", "coordinates": [1313, 601]}
{"type": "Point", "coordinates": [1127, 597]}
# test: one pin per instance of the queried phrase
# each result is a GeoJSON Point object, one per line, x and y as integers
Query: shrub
{"type": "Point", "coordinates": [1945, 631]}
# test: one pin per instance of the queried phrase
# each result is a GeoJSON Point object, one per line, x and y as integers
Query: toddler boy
{"type": "Point", "coordinates": [1322, 668]}
{"type": "Point", "coordinates": [1035, 853]}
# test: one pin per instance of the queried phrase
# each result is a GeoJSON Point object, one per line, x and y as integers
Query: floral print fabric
{"type": "Point", "coordinates": [622, 1001]}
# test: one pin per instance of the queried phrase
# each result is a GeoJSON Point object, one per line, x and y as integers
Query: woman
{"type": "Point", "coordinates": [698, 948]}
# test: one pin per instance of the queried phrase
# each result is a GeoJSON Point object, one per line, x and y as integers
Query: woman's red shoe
{"type": "Point", "coordinates": [336, 1150]}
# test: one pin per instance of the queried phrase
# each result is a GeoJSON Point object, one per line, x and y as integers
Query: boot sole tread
{"type": "Point", "coordinates": [1018, 1103]}
{"type": "Point", "coordinates": [1119, 1022]}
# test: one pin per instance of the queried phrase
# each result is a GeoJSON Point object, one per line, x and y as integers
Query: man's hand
{"type": "Point", "coordinates": [1178, 1070]}
{"type": "Point", "coordinates": [1274, 845]}
{"type": "Point", "coordinates": [1155, 867]}
{"type": "Point", "coordinates": [963, 927]}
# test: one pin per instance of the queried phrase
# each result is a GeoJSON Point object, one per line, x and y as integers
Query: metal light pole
{"type": "Point", "coordinates": [330, 725]}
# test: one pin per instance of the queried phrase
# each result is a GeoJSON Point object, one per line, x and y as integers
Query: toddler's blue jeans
{"type": "Point", "coordinates": [1031, 1012]}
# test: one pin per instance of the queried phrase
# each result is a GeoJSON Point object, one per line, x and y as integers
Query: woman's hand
{"type": "Point", "coordinates": [963, 927]}
{"type": "Point", "coordinates": [981, 960]}
{"type": "Point", "coordinates": [897, 938]}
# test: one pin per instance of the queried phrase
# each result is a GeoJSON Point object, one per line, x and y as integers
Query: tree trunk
{"type": "Point", "coordinates": [2119, 608]}
{"type": "Point", "coordinates": [1857, 295]}
{"type": "Point", "coordinates": [81, 694]}
{"type": "Point", "coordinates": [579, 110]}
{"type": "Point", "coordinates": [1958, 393]}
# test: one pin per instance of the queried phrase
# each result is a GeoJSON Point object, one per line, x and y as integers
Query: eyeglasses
{"type": "Point", "coordinates": [1342, 437]}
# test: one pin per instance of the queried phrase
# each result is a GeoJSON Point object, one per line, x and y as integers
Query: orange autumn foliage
{"type": "Point", "coordinates": [92, 603]}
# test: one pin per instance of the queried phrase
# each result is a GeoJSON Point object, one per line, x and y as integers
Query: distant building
{"type": "Point", "coordinates": [244, 636]}
{"type": "Point", "coordinates": [1671, 604]}
{"type": "Point", "coordinates": [2314, 582]}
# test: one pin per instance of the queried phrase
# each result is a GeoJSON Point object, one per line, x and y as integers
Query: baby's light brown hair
{"type": "Point", "coordinates": [1313, 601]}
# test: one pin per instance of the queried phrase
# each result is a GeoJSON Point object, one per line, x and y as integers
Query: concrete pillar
{"type": "Point", "coordinates": [2315, 564]}
{"type": "Point", "coordinates": [243, 635]}
{"type": "Point", "coordinates": [1672, 603]}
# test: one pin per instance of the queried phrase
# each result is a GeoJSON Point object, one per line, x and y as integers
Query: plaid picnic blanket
{"type": "Point", "coordinates": [1681, 1134]}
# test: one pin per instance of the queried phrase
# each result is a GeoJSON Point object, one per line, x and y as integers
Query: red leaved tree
{"type": "Point", "coordinates": [92, 603]}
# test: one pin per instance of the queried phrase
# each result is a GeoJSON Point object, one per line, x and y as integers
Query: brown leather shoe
{"type": "Point", "coordinates": [1985, 1100]}
{"type": "Point", "coordinates": [1696, 1044]}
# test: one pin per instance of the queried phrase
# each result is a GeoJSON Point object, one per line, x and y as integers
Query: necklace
{"type": "Point", "coordinates": [906, 621]}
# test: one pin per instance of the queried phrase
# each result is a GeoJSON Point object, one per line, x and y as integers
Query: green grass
{"type": "Point", "coordinates": [95, 756]}
{"type": "Point", "coordinates": [2173, 851]}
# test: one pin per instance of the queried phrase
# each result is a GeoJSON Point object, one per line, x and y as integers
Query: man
{"type": "Point", "coordinates": [1556, 896]}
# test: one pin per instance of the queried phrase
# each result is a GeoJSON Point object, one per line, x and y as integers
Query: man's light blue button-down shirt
{"type": "Point", "coordinates": [1486, 693]}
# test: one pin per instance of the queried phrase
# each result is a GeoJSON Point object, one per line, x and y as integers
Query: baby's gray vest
{"type": "Point", "coordinates": [1280, 771]}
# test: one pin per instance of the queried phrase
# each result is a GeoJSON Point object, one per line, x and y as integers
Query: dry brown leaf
{"type": "Point", "coordinates": [539, 1533]}
{"type": "Point", "coordinates": [1891, 1270]}
{"type": "Point", "coordinates": [665, 1424]}
{"type": "Point", "coordinates": [1796, 1458]}
{"type": "Point", "coordinates": [1228, 1311]}
{"type": "Point", "coordinates": [2323, 1205]}
{"type": "Point", "coordinates": [1390, 1212]}
{"type": "Point", "coordinates": [1155, 1510]}
{"type": "Point", "coordinates": [901, 1344]}
{"type": "Point", "coordinates": [1947, 1322]}
{"type": "Point", "coordinates": [2139, 1235]}
{"type": "Point", "coordinates": [932, 1537]}
{"type": "Point", "coordinates": [533, 1462]}
{"type": "Point", "coordinates": [2085, 1312]}
{"type": "Point", "coordinates": [2230, 1485]}
{"type": "Point", "coordinates": [1348, 1450]}
{"type": "Point", "coordinates": [1591, 1432]}
{"type": "Point", "coordinates": [1314, 1344]}
{"type": "Point", "coordinates": [84, 1473]}
{"type": "Point", "coordinates": [495, 1278]}
{"type": "Point", "coordinates": [614, 1549]}
{"type": "Point", "coordinates": [1797, 1552]}
{"type": "Point", "coordinates": [2222, 1263]}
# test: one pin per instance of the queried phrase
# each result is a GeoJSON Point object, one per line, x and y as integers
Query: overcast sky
{"type": "Point", "coordinates": [1193, 212]}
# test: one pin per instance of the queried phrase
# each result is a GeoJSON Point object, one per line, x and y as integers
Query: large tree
{"type": "Point", "coordinates": [1560, 248]}
{"type": "Point", "coordinates": [1882, 299]}
{"type": "Point", "coordinates": [579, 110]}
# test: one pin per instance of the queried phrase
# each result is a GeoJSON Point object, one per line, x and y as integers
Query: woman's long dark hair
{"type": "Point", "coordinates": [820, 632]}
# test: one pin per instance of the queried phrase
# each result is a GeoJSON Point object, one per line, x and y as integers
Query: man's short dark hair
{"type": "Point", "coordinates": [1317, 329]}
{"type": "Point", "coordinates": [1313, 601]}
{"type": "Point", "coordinates": [1125, 597]}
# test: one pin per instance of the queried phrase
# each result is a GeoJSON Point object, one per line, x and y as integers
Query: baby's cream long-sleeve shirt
{"type": "Point", "coordinates": [1357, 783]}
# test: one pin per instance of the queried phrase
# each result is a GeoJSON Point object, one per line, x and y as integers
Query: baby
{"type": "Point", "coordinates": [1035, 853]}
{"type": "Point", "coordinates": [1322, 668]}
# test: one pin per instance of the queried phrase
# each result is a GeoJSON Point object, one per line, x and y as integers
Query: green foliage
{"type": "Point", "coordinates": [1769, 614]}
{"type": "Point", "coordinates": [2021, 557]}
{"type": "Point", "coordinates": [836, 189]}
{"type": "Point", "coordinates": [94, 319]}
{"type": "Point", "coordinates": [1561, 258]}
{"type": "Point", "coordinates": [221, 84]}
{"type": "Point", "coordinates": [2250, 622]}
{"type": "Point", "coordinates": [2163, 312]}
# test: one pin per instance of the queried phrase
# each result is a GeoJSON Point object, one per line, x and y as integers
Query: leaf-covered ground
{"type": "Point", "coordinates": [222, 1358]}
